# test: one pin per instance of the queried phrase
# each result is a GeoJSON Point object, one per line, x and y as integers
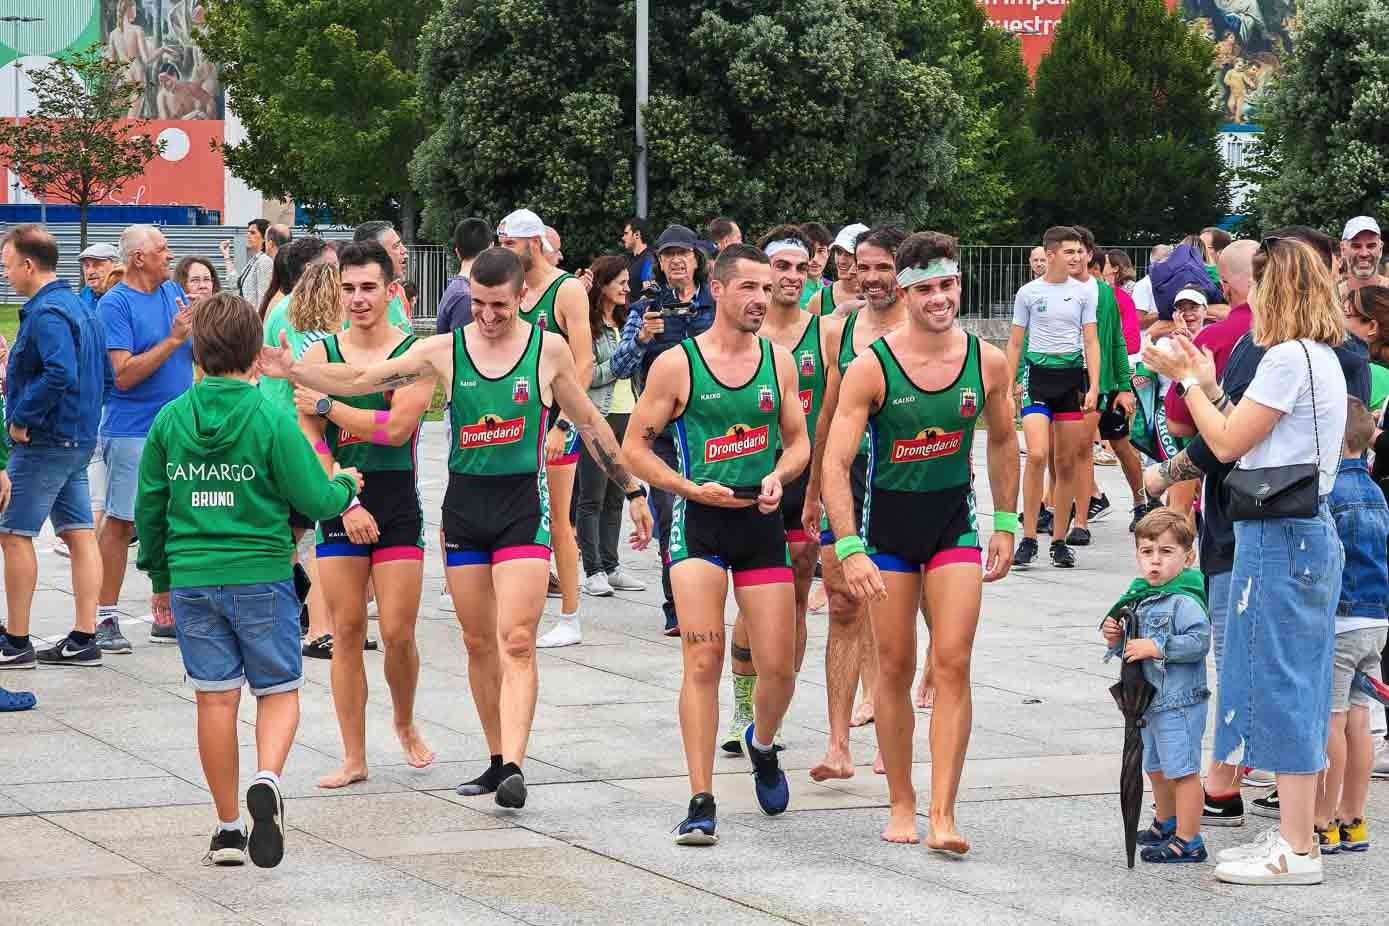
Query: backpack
{"type": "Point", "coordinates": [1183, 269]}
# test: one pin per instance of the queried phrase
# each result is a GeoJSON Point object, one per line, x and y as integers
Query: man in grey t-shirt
{"type": "Point", "coordinates": [470, 238]}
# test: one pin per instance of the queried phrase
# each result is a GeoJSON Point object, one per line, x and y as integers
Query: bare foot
{"type": "Point", "coordinates": [878, 767]}
{"type": "Point", "coordinates": [348, 774]}
{"type": "Point", "coordinates": [819, 600]}
{"type": "Point", "coordinates": [836, 764]}
{"type": "Point", "coordinates": [416, 752]}
{"type": "Point", "coordinates": [942, 836]}
{"type": "Point", "coordinates": [901, 825]}
{"type": "Point", "coordinates": [863, 714]}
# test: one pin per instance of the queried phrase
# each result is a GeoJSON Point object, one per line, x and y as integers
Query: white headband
{"type": "Point", "coordinates": [774, 248]}
{"type": "Point", "coordinates": [940, 267]}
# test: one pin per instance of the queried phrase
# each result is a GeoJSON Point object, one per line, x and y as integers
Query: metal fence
{"type": "Point", "coordinates": [992, 274]}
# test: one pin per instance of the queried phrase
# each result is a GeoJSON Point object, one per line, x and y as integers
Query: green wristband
{"type": "Point", "coordinates": [846, 547]}
{"type": "Point", "coordinates": [1006, 522]}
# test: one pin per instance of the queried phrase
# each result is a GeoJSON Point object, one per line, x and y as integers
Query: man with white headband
{"type": "Point", "coordinates": [555, 301]}
{"type": "Point", "coordinates": [731, 398]}
{"type": "Point", "coordinates": [789, 251]}
{"type": "Point", "coordinates": [845, 287]}
{"type": "Point", "coordinates": [920, 390]}
{"type": "Point", "coordinates": [848, 650]}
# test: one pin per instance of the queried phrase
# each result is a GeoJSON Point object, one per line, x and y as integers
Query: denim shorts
{"type": "Point", "coordinates": [122, 458]}
{"type": "Point", "coordinates": [232, 635]}
{"type": "Point", "coordinates": [1356, 651]}
{"type": "Point", "coordinates": [1172, 740]}
{"type": "Point", "coordinates": [48, 482]}
{"type": "Point", "coordinates": [1280, 633]}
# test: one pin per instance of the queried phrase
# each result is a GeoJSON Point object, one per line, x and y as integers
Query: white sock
{"type": "Point", "coordinates": [103, 612]}
{"type": "Point", "coordinates": [267, 775]}
{"type": "Point", "coordinates": [236, 826]}
{"type": "Point", "coordinates": [569, 618]}
{"type": "Point", "coordinates": [758, 746]}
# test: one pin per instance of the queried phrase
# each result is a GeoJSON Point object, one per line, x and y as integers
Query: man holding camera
{"type": "Point", "coordinates": [676, 305]}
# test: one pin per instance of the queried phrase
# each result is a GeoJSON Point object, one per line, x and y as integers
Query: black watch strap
{"type": "Point", "coordinates": [638, 492]}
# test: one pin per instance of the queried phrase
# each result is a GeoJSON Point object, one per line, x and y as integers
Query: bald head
{"type": "Point", "coordinates": [554, 255]}
{"type": "Point", "coordinates": [1237, 270]}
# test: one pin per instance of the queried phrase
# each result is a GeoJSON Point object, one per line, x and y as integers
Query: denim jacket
{"type": "Point", "coordinates": [58, 375]}
{"type": "Point", "coordinates": [600, 390]}
{"type": "Point", "coordinates": [1362, 522]}
{"type": "Point", "coordinates": [1182, 631]}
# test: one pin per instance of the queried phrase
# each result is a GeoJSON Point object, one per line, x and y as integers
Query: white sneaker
{"type": "Point", "coordinates": [624, 581]}
{"type": "Point", "coordinates": [373, 610]}
{"type": "Point", "coordinates": [597, 586]}
{"type": "Point", "coordinates": [1280, 865]}
{"type": "Point", "coordinates": [1381, 768]}
{"type": "Point", "coordinates": [565, 633]}
{"type": "Point", "coordinates": [446, 600]}
{"type": "Point", "coordinates": [1256, 849]}
{"type": "Point", "coordinates": [1258, 778]}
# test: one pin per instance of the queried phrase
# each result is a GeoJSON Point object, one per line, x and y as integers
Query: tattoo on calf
{"type": "Point", "coordinates": [713, 636]}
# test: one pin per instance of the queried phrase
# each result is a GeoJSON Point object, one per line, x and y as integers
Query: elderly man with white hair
{"type": "Point", "coordinates": [147, 326]}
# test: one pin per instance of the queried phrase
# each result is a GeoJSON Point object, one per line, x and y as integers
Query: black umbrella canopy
{"type": "Point", "coordinates": [1134, 695]}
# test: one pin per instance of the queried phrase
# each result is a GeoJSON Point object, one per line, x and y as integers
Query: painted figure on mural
{"type": "Point", "coordinates": [154, 39]}
{"type": "Point", "coordinates": [1251, 37]}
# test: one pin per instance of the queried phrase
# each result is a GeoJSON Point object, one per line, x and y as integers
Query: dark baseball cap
{"type": "Point", "coordinates": [677, 236]}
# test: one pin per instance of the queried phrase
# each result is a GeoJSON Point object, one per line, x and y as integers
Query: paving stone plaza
{"type": "Point", "coordinates": [104, 817]}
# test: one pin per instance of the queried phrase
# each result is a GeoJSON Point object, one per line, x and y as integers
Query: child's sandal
{"type": "Point", "coordinates": [1176, 851]}
{"type": "Point", "coordinates": [1158, 833]}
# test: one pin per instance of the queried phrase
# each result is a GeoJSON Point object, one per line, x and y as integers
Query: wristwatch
{"type": "Point", "coordinates": [1182, 386]}
{"type": "Point", "coordinates": [323, 406]}
{"type": "Point", "coordinates": [564, 426]}
{"type": "Point", "coordinates": [638, 492]}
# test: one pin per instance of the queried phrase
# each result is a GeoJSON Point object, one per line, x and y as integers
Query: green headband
{"type": "Point", "coordinates": [940, 267]}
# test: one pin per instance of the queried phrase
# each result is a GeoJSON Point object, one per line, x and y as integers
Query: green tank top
{"type": "Point", "coordinates": [729, 434]}
{"type": "Point", "coordinates": [496, 426]}
{"type": "Point", "coordinates": [827, 300]}
{"type": "Point", "coordinates": [846, 357]}
{"type": "Point", "coordinates": [810, 374]}
{"type": "Point", "coordinates": [542, 314]}
{"type": "Point", "coordinates": [358, 449]}
{"type": "Point", "coordinates": [921, 439]}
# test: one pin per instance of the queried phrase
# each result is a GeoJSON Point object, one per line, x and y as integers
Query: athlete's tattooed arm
{"type": "Point", "coordinates": [427, 357]}
{"type": "Point", "coordinates": [666, 383]}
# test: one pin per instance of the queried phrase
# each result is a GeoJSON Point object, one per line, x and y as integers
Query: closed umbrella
{"type": "Point", "coordinates": [1133, 693]}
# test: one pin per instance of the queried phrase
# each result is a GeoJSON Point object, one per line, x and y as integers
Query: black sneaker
{"type": "Point", "coordinates": [1061, 555]}
{"type": "Point", "coordinates": [1266, 806]}
{"type": "Point", "coordinates": [228, 848]}
{"type": "Point", "coordinates": [1100, 508]}
{"type": "Point", "coordinates": [1224, 811]}
{"type": "Point", "coordinates": [13, 657]}
{"type": "Point", "coordinates": [698, 828]}
{"type": "Point", "coordinates": [511, 791]}
{"type": "Point", "coordinates": [267, 808]}
{"type": "Point", "coordinates": [1078, 537]}
{"type": "Point", "coordinates": [1044, 521]}
{"type": "Point", "coordinates": [70, 653]}
{"type": "Point", "coordinates": [1025, 553]}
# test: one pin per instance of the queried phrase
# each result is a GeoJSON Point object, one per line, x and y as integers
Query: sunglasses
{"type": "Point", "coordinates": [1266, 244]}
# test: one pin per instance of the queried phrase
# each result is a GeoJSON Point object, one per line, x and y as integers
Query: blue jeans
{"type": "Point", "coordinates": [1280, 634]}
{"type": "Point", "coordinates": [230, 635]}
{"type": "Point", "coordinates": [48, 482]}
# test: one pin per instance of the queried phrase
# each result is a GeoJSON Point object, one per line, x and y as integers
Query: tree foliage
{"type": "Point", "coordinates": [326, 93]}
{"type": "Point", "coordinates": [1126, 124]}
{"type": "Point", "coordinates": [77, 144]}
{"type": "Point", "coordinates": [1324, 156]}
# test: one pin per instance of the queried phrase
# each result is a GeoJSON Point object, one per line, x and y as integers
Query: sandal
{"type": "Point", "coordinates": [1158, 833]}
{"type": "Point", "coordinates": [16, 701]}
{"type": "Point", "coordinates": [322, 648]}
{"type": "Point", "coordinates": [1175, 850]}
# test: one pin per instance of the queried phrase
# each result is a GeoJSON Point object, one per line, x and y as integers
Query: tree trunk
{"type": "Point", "coordinates": [82, 207]}
{"type": "Point", "coordinates": [407, 216]}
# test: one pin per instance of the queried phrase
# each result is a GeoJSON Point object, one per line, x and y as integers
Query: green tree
{"type": "Point", "coordinates": [327, 95]}
{"type": "Point", "coordinates": [1324, 156]}
{"type": "Point", "coordinates": [1126, 124]}
{"type": "Point", "coordinates": [77, 144]}
{"type": "Point", "coordinates": [768, 111]}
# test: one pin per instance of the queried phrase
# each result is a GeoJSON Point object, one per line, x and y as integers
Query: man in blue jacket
{"type": "Point", "coordinates": [58, 378]}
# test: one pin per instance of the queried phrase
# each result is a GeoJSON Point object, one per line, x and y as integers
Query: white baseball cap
{"type": "Point", "coordinates": [1191, 295]}
{"type": "Point", "coordinates": [521, 224]}
{"type": "Point", "coordinates": [1361, 223]}
{"type": "Point", "coordinates": [848, 237]}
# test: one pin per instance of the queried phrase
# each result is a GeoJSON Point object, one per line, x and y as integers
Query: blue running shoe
{"type": "Point", "coordinates": [769, 781]}
{"type": "Point", "coordinates": [699, 825]}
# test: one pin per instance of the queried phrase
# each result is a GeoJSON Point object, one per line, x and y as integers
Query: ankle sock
{"type": "Point", "coordinates": [759, 747]}
{"type": "Point", "coordinates": [485, 783]}
{"type": "Point", "coordinates": [569, 618]}
{"type": "Point", "coordinates": [509, 769]}
{"type": "Point", "coordinates": [104, 613]}
{"type": "Point", "coordinates": [236, 826]}
{"type": "Point", "coordinates": [78, 636]}
{"type": "Point", "coordinates": [267, 775]}
{"type": "Point", "coordinates": [1227, 796]}
{"type": "Point", "coordinates": [18, 642]}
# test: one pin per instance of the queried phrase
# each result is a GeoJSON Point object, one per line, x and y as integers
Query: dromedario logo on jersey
{"type": "Point", "coordinates": [521, 390]}
{"type": "Point", "coordinates": [491, 431]}
{"type": "Point", "coordinates": [969, 403]}
{"type": "Point", "coordinates": [740, 441]}
{"type": "Point", "coordinates": [930, 444]}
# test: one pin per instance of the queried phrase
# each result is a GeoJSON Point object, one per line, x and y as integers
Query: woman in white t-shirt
{"type": "Point", "coordinates": [1275, 678]}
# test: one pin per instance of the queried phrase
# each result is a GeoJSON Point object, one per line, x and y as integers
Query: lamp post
{"type": "Point", "coordinates": [15, 22]}
{"type": "Point", "coordinates": [642, 68]}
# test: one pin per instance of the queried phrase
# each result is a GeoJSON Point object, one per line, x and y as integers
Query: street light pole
{"type": "Point", "coordinates": [642, 67]}
{"type": "Point", "coordinates": [15, 22]}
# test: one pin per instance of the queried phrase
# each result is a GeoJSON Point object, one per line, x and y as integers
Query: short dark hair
{"type": "Point", "coordinates": [925, 246]}
{"type": "Point", "coordinates": [226, 334]}
{"type": "Point", "coordinates": [280, 234]}
{"type": "Point", "coordinates": [1220, 238]}
{"type": "Point", "coordinates": [259, 225]}
{"type": "Point", "coordinates": [1161, 520]}
{"type": "Point", "coordinates": [641, 227]}
{"type": "Point", "coordinates": [1317, 241]}
{"type": "Point", "coordinates": [183, 267]}
{"type": "Point", "coordinates": [1123, 265]}
{"type": "Point", "coordinates": [298, 254]}
{"type": "Point", "coordinates": [785, 233]}
{"type": "Point", "coordinates": [818, 233]}
{"type": "Point", "coordinates": [35, 243]}
{"type": "Point", "coordinates": [720, 228]}
{"type": "Point", "coordinates": [498, 266]}
{"type": "Point", "coordinates": [887, 236]}
{"type": "Point", "coordinates": [727, 263]}
{"type": "Point", "coordinates": [1058, 235]}
{"type": "Point", "coordinates": [371, 231]}
{"type": "Point", "coordinates": [1087, 237]}
{"type": "Point", "coordinates": [365, 254]}
{"type": "Point", "coordinates": [471, 237]}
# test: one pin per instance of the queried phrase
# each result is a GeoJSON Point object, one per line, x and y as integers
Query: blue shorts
{"type": "Point", "coordinates": [230, 635]}
{"type": "Point", "coordinates": [1172, 740]}
{"type": "Point", "coordinates": [48, 483]}
{"type": "Point", "coordinates": [122, 458]}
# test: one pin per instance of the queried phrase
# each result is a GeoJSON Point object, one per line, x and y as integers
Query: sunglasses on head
{"type": "Point", "coordinates": [1266, 244]}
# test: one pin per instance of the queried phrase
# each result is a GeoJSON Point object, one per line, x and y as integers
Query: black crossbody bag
{"type": "Point", "coordinates": [1278, 491]}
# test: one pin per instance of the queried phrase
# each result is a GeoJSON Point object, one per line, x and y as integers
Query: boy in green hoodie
{"type": "Point", "coordinates": [219, 473]}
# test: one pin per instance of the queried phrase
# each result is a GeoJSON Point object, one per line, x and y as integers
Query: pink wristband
{"type": "Point", "coordinates": [383, 417]}
{"type": "Point", "coordinates": [321, 447]}
{"type": "Point", "coordinates": [381, 437]}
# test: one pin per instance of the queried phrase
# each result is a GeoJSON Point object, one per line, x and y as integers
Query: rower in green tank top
{"type": "Point", "coordinates": [728, 435]}
{"type": "Point", "coordinates": [360, 450]}
{"type": "Point", "coordinates": [542, 314]}
{"type": "Point", "coordinates": [497, 425]}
